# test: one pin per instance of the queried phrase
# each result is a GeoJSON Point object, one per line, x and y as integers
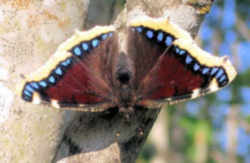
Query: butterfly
{"type": "Point", "coordinates": [152, 63]}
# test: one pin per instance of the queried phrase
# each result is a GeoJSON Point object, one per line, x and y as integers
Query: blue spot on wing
{"type": "Point", "coordinates": [43, 84]}
{"type": "Point", "coordinates": [150, 34]}
{"type": "Point", "coordinates": [26, 97]}
{"type": "Point", "coordinates": [222, 78]}
{"type": "Point", "coordinates": [104, 36]}
{"type": "Point", "coordinates": [138, 29]}
{"type": "Point", "coordinates": [67, 62]}
{"type": "Point", "coordinates": [34, 85]}
{"type": "Point", "coordinates": [27, 93]}
{"type": "Point", "coordinates": [52, 79]}
{"type": "Point", "coordinates": [85, 46]}
{"type": "Point", "coordinates": [182, 52]}
{"type": "Point", "coordinates": [188, 59]}
{"type": "Point", "coordinates": [177, 50]}
{"type": "Point", "coordinates": [95, 43]}
{"type": "Point", "coordinates": [77, 51]}
{"type": "Point", "coordinates": [169, 40]}
{"type": "Point", "coordinates": [58, 71]}
{"type": "Point", "coordinates": [205, 70]}
{"type": "Point", "coordinates": [29, 88]}
{"type": "Point", "coordinates": [110, 34]}
{"type": "Point", "coordinates": [196, 67]}
{"type": "Point", "coordinates": [214, 70]}
{"type": "Point", "coordinates": [160, 36]}
{"type": "Point", "coordinates": [219, 73]}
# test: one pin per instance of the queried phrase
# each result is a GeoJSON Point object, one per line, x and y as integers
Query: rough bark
{"type": "Point", "coordinates": [30, 31]}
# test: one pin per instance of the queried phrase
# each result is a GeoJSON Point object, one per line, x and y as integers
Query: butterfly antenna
{"type": "Point", "coordinates": [167, 49]}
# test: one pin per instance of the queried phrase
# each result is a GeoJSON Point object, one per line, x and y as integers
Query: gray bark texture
{"type": "Point", "coordinates": [30, 31]}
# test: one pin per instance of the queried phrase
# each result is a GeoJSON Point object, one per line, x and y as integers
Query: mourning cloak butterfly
{"type": "Point", "coordinates": [160, 64]}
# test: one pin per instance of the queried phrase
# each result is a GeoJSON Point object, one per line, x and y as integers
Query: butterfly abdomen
{"type": "Point", "coordinates": [124, 80]}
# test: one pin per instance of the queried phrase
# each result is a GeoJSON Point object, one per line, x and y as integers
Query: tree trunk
{"type": "Point", "coordinates": [30, 33]}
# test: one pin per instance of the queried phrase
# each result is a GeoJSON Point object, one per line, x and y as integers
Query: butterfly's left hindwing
{"type": "Point", "coordinates": [186, 72]}
{"type": "Point", "coordinates": [78, 73]}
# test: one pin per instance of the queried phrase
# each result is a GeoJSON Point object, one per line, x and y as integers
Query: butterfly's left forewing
{"type": "Point", "coordinates": [78, 74]}
{"type": "Point", "coordinates": [148, 38]}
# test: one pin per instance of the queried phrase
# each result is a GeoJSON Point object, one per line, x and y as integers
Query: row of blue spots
{"type": "Point", "coordinates": [150, 34]}
{"type": "Point", "coordinates": [83, 47]}
{"type": "Point", "coordinates": [159, 35]}
{"type": "Point", "coordinates": [57, 73]}
{"type": "Point", "coordinates": [27, 93]}
{"type": "Point", "coordinates": [219, 73]}
{"type": "Point", "coordinates": [80, 50]}
{"type": "Point", "coordinates": [31, 87]}
{"type": "Point", "coordinates": [188, 59]}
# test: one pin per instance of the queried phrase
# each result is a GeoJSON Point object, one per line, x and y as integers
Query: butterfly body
{"type": "Point", "coordinates": [158, 64]}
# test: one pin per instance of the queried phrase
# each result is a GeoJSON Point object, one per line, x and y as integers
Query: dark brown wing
{"type": "Point", "coordinates": [78, 74]}
{"type": "Point", "coordinates": [170, 67]}
{"type": "Point", "coordinates": [148, 38]}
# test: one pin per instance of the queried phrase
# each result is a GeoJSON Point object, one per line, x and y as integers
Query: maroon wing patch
{"type": "Point", "coordinates": [180, 70]}
{"type": "Point", "coordinates": [75, 75]}
{"type": "Point", "coordinates": [176, 75]}
{"type": "Point", "coordinates": [147, 40]}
